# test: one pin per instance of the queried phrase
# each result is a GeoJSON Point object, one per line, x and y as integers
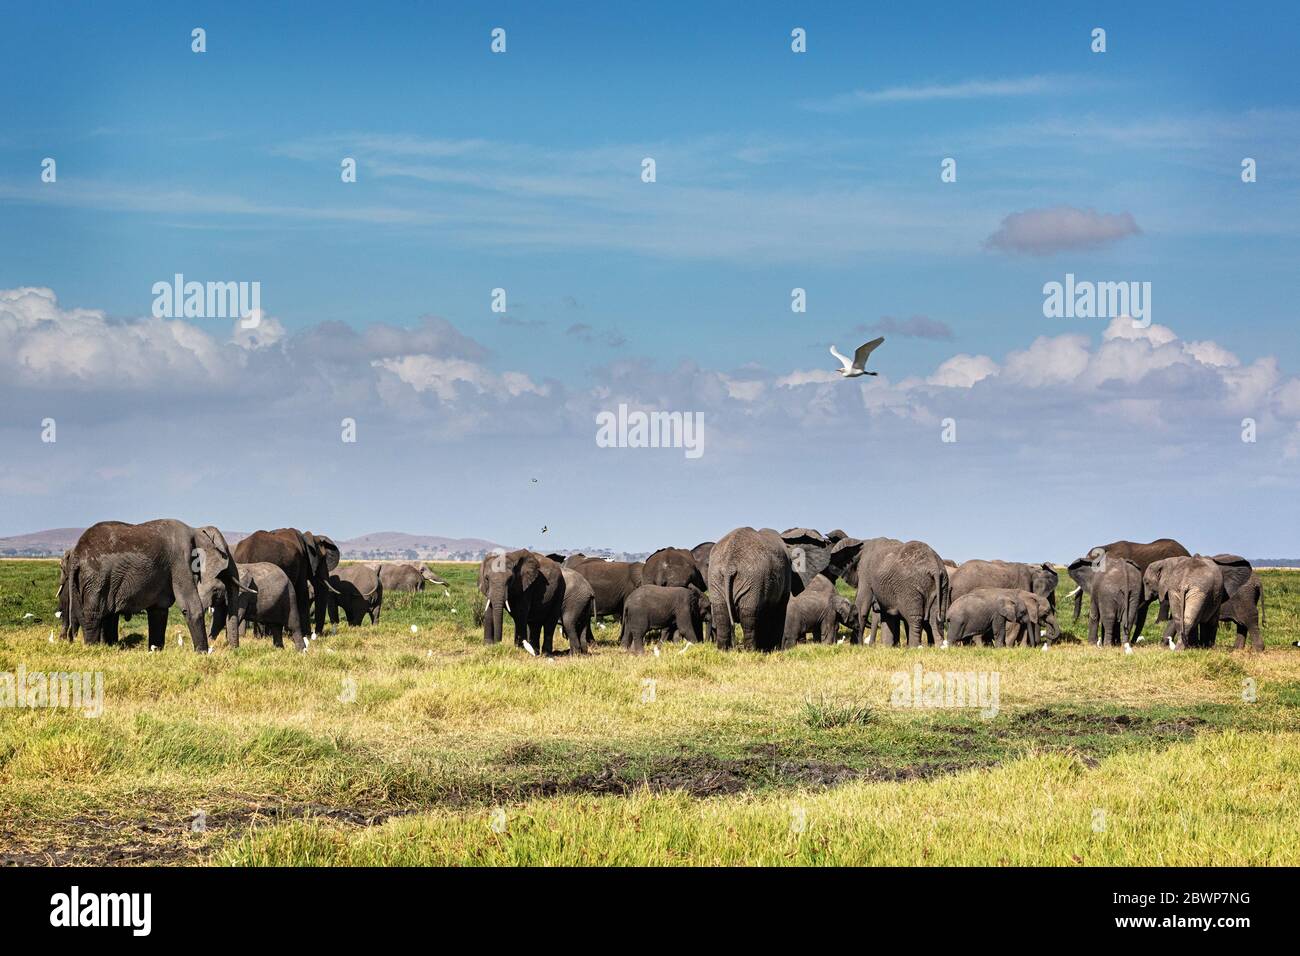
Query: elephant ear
{"type": "Point", "coordinates": [557, 557]}
{"type": "Point", "coordinates": [1007, 608]}
{"type": "Point", "coordinates": [805, 536]}
{"type": "Point", "coordinates": [700, 553]}
{"type": "Point", "coordinates": [574, 559]}
{"type": "Point", "coordinates": [525, 566]}
{"type": "Point", "coordinates": [844, 557]}
{"type": "Point", "coordinates": [839, 534]}
{"type": "Point", "coordinates": [1236, 572]}
{"type": "Point", "coordinates": [329, 551]}
{"type": "Point", "coordinates": [636, 570]}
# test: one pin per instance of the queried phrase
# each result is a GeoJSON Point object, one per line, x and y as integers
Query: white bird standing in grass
{"type": "Point", "coordinates": [857, 366]}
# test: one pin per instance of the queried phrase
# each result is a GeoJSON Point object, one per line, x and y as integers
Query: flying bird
{"type": "Point", "coordinates": [856, 367]}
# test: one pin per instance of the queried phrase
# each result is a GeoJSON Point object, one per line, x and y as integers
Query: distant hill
{"type": "Point", "coordinates": [381, 544]}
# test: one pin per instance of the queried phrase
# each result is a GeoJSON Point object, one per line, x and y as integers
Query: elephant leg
{"type": "Point", "coordinates": [1256, 638]}
{"type": "Point", "coordinates": [864, 612]}
{"type": "Point", "coordinates": [999, 632]}
{"type": "Point", "coordinates": [1140, 620]}
{"type": "Point", "coordinates": [110, 629]}
{"type": "Point", "coordinates": [548, 638]}
{"type": "Point", "coordinates": [303, 606]}
{"type": "Point", "coordinates": [1092, 624]}
{"type": "Point", "coordinates": [157, 617]}
{"type": "Point", "coordinates": [277, 635]}
{"type": "Point", "coordinates": [877, 623]}
{"type": "Point", "coordinates": [1209, 633]}
{"type": "Point", "coordinates": [915, 635]}
{"type": "Point", "coordinates": [92, 630]}
{"type": "Point", "coordinates": [219, 618]}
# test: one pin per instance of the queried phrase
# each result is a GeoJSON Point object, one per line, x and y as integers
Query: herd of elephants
{"type": "Point", "coordinates": [779, 587]}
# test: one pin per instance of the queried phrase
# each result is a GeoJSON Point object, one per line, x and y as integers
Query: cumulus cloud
{"type": "Point", "coordinates": [963, 371]}
{"type": "Point", "coordinates": [1041, 232]}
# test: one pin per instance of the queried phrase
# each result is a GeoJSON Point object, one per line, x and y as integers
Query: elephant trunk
{"type": "Point", "coordinates": [1077, 594]}
{"type": "Point", "coordinates": [1193, 605]}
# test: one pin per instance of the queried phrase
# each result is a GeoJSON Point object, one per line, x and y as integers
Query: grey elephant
{"type": "Point", "coordinates": [819, 609]}
{"type": "Point", "coordinates": [673, 568]}
{"type": "Point", "coordinates": [1194, 589]}
{"type": "Point", "coordinates": [1042, 621]}
{"type": "Point", "coordinates": [1115, 596]}
{"type": "Point", "coordinates": [752, 575]}
{"type": "Point", "coordinates": [577, 610]}
{"type": "Point", "coordinates": [530, 587]}
{"type": "Point", "coordinates": [307, 559]}
{"type": "Point", "coordinates": [358, 590]}
{"type": "Point", "coordinates": [612, 582]}
{"type": "Point", "coordinates": [1245, 609]}
{"type": "Point", "coordinates": [983, 613]}
{"type": "Point", "coordinates": [405, 575]}
{"type": "Point", "coordinates": [124, 569]}
{"type": "Point", "coordinates": [266, 600]}
{"type": "Point", "coordinates": [1141, 554]}
{"type": "Point", "coordinates": [655, 607]}
{"type": "Point", "coordinates": [1039, 578]}
{"type": "Point", "coordinates": [904, 582]}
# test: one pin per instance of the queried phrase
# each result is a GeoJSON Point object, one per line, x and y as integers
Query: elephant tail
{"type": "Point", "coordinates": [1259, 599]}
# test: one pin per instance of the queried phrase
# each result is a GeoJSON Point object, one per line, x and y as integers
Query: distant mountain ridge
{"type": "Point", "coordinates": [380, 544]}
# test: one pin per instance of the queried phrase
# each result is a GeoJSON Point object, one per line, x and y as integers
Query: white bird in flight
{"type": "Point", "coordinates": [857, 366]}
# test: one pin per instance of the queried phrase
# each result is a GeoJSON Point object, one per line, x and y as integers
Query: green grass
{"type": "Point", "coordinates": [383, 745]}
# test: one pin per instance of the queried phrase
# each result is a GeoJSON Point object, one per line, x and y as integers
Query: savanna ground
{"type": "Point", "coordinates": [386, 746]}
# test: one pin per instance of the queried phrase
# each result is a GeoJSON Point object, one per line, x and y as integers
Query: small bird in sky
{"type": "Point", "coordinates": [543, 529]}
{"type": "Point", "coordinates": [856, 367]}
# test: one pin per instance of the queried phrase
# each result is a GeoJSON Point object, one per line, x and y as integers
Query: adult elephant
{"type": "Point", "coordinates": [1041, 579]}
{"type": "Point", "coordinates": [405, 575]}
{"type": "Point", "coordinates": [1194, 589]}
{"type": "Point", "coordinates": [307, 559]}
{"type": "Point", "coordinates": [530, 586]}
{"type": "Point", "coordinates": [752, 575]}
{"type": "Point", "coordinates": [359, 590]}
{"type": "Point", "coordinates": [700, 555]}
{"type": "Point", "coordinates": [1140, 554]}
{"type": "Point", "coordinates": [674, 568]}
{"type": "Point", "coordinates": [1115, 593]}
{"type": "Point", "coordinates": [123, 569]}
{"type": "Point", "coordinates": [611, 581]}
{"type": "Point", "coordinates": [905, 582]}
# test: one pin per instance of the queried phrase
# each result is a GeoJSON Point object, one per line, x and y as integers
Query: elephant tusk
{"type": "Point", "coordinates": [1075, 591]}
{"type": "Point", "coordinates": [508, 607]}
{"type": "Point", "coordinates": [487, 604]}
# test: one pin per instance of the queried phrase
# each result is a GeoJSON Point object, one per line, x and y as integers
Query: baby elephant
{"type": "Point", "coordinates": [266, 600]}
{"type": "Point", "coordinates": [1042, 621]}
{"type": "Point", "coordinates": [652, 607]}
{"type": "Point", "coordinates": [986, 611]}
{"type": "Point", "coordinates": [358, 590]}
{"type": "Point", "coordinates": [818, 609]}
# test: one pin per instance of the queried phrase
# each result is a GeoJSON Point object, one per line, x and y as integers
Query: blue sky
{"type": "Point", "coordinates": [774, 170]}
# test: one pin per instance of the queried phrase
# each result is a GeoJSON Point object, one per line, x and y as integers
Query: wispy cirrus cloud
{"type": "Point", "coordinates": [963, 90]}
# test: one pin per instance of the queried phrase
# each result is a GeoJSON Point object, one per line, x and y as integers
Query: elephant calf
{"type": "Point", "coordinates": [1042, 621]}
{"type": "Point", "coordinates": [986, 611]}
{"type": "Point", "coordinates": [358, 590]}
{"type": "Point", "coordinates": [653, 607]}
{"type": "Point", "coordinates": [818, 609]}
{"type": "Point", "coordinates": [1246, 610]}
{"type": "Point", "coordinates": [266, 599]}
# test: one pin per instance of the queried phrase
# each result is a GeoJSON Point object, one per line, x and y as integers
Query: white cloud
{"type": "Point", "coordinates": [963, 371]}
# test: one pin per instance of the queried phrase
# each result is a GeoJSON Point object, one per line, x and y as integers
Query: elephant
{"type": "Point", "coordinates": [701, 554]}
{"type": "Point", "coordinates": [655, 607]}
{"type": "Point", "coordinates": [1246, 610]}
{"type": "Point", "coordinates": [306, 559]}
{"type": "Point", "coordinates": [752, 575]}
{"type": "Point", "coordinates": [67, 626]}
{"type": "Point", "coordinates": [1140, 554]}
{"type": "Point", "coordinates": [531, 587]}
{"type": "Point", "coordinates": [577, 610]}
{"type": "Point", "coordinates": [1195, 588]}
{"type": "Point", "coordinates": [673, 568]}
{"type": "Point", "coordinates": [612, 581]}
{"type": "Point", "coordinates": [405, 575]}
{"type": "Point", "coordinates": [1042, 621]}
{"type": "Point", "coordinates": [986, 611]}
{"type": "Point", "coordinates": [1115, 596]}
{"type": "Point", "coordinates": [1041, 579]}
{"type": "Point", "coordinates": [903, 581]}
{"type": "Point", "coordinates": [122, 569]}
{"type": "Point", "coordinates": [266, 600]}
{"type": "Point", "coordinates": [359, 590]}
{"type": "Point", "coordinates": [818, 609]}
